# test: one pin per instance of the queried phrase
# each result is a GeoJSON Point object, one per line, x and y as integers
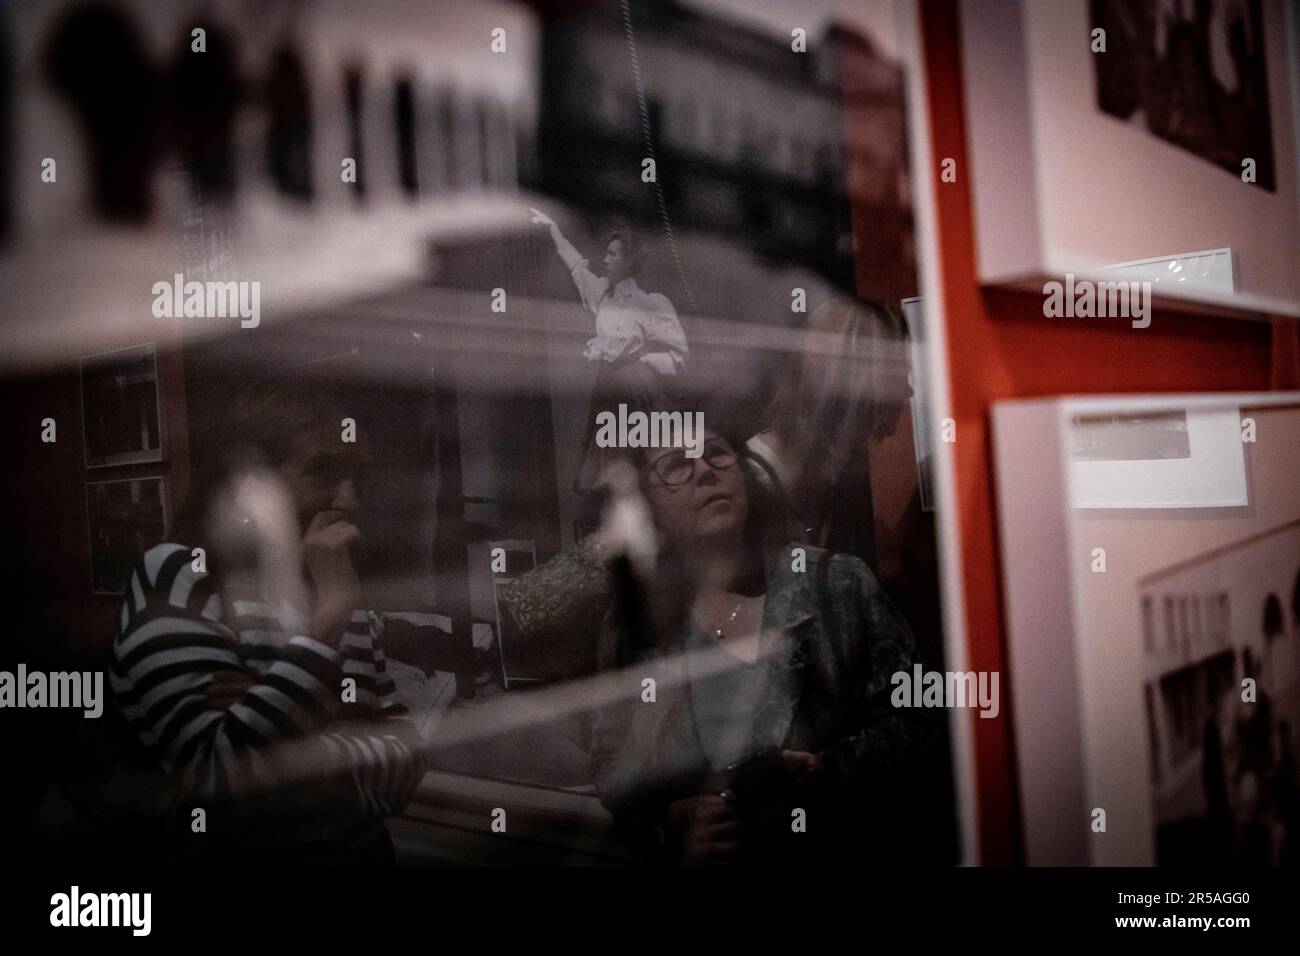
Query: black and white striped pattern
{"type": "Point", "coordinates": [179, 636]}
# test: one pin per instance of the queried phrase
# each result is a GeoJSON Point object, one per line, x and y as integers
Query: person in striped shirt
{"type": "Point", "coordinates": [246, 674]}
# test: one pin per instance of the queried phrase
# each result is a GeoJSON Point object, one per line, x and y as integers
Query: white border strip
{"type": "Point", "coordinates": [946, 527]}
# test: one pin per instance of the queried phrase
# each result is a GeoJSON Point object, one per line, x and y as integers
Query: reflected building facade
{"type": "Point", "coordinates": [750, 138]}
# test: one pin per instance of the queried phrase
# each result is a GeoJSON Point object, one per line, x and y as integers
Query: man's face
{"type": "Point", "coordinates": [324, 474]}
{"type": "Point", "coordinates": [697, 498]}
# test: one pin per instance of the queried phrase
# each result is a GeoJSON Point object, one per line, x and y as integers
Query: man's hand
{"type": "Point", "coordinates": [705, 827]}
{"type": "Point", "coordinates": [801, 765]}
{"type": "Point", "coordinates": [227, 689]}
{"type": "Point", "coordinates": [541, 219]}
{"type": "Point", "coordinates": [661, 362]}
{"type": "Point", "coordinates": [329, 563]}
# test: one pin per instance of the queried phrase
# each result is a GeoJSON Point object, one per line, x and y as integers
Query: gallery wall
{"type": "Point", "coordinates": [54, 542]}
{"type": "Point", "coordinates": [1000, 347]}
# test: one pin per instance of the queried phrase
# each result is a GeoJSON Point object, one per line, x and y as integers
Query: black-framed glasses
{"type": "Point", "coordinates": [674, 469]}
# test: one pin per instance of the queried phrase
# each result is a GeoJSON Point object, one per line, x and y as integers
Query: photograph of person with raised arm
{"type": "Point", "coordinates": [639, 342]}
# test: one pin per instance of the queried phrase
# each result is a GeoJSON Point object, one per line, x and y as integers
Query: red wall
{"type": "Point", "coordinates": [1000, 347]}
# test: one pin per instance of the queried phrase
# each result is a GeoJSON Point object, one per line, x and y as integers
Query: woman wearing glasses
{"type": "Point", "coordinates": [767, 732]}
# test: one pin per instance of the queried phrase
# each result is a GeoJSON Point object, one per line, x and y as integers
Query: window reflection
{"type": "Point", "coordinates": [408, 577]}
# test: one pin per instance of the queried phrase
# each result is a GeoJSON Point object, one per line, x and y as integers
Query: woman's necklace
{"type": "Point", "coordinates": [719, 632]}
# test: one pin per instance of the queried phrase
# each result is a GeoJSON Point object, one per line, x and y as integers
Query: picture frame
{"type": "Point", "coordinates": [918, 337]}
{"type": "Point", "coordinates": [124, 518]}
{"type": "Point", "coordinates": [1062, 186]}
{"type": "Point", "coordinates": [121, 407]}
{"type": "Point", "coordinates": [1131, 634]}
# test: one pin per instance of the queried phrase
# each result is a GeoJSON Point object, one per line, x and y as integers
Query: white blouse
{"type": "Point", "coordinates": [629, 321]}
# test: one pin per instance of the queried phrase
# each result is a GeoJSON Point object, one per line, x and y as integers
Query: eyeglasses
{"type": "Point", "coordinates": [675, 469]}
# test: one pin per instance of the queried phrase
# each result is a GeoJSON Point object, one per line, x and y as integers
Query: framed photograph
{"type": "Point", "coordinates": [1159, 143]}
{"type": "Point", "coordinates": [126, 518]}
{"type": "Point", "coordinates": [1157, 685]}
{"type": "Point", "coordinates": [121, 407]}
{"type": "Point", "coordinates": [792, 196]}
{"type": "Point", "coordinates": [1155, 74]}
{"type": "Point", "coordinates": [1218, 760]}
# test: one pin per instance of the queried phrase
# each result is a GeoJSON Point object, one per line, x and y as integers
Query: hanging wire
{"type": "Point", "coordinates": [650, 151]}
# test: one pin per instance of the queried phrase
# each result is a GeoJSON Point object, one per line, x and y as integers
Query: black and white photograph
{"type": "Point", "coordinates": [126, 518]}
{"type": "Point", "coordinates": [1223, 767]}
{"type": "Point", "coordinates": [541, 437]}
{"type": "Point", "coordinates": [1192, 72]}
{"type": "Point", "coordinates": [120, 407]}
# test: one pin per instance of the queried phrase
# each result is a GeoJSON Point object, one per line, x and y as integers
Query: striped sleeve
{"type": "Point", "coordinates": [384, 767]}
{"type": "Point", "coordinates": [173, 646]}
{"type": "Point", "coordinates": [379, 750]}
{"type": "Point", "coordinates": [363, 659]}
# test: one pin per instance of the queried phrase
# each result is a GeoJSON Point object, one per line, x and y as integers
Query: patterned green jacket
{"type": "Point", "coordinates": [838, 641]}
